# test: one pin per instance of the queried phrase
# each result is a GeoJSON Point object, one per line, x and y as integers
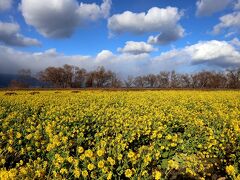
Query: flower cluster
{"type": "Point", "coordinates": [120, 134]}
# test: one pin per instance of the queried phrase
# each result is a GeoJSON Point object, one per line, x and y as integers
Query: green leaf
{"type": "Point", "coordinates": [164, 164]}
{"type": "Point", "coordinates": [165, 154]}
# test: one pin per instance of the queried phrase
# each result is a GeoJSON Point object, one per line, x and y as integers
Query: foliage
{"type": "Point", "coordinates": [119, 135]}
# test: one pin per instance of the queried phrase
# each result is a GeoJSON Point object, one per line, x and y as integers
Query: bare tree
{"type": "Point", "coordinates": [163, 79]}
{"type": "Point", "coordinates": [72, 76]}
{"type": "Point", "coordinates": [90, 79]}
{"type": "Point", "coordinates": [185, 81]}
{"type": "Point", "coordinates": [80, 77]}
{"type": "Point", "coordinates": [129, 81]}
{"type": "Point", "coordinates": [68, 75]}
{"type": "Point", "coordinates": [115, 81]}
{"type": "Point", "coordinates": [201, 79]}
{"type": "Point", "coordinates": [103, 77]}
{"type": "Point", "coordinates": [54, 76]}
{"type": "Point", "coordinates": [233, 78]}
{"type": "Point", "coordinates": [151, 80]}
{"type": "Point", "coordinates": [174, 80]}
{"type": "Point", "coordinates": [139, 81]}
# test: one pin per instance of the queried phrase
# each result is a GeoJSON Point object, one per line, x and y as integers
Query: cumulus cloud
{"type": "Point", "coordinates": [210, 55]}
{"type": "Point", "coordinates": [230, 22]}
{"type": "Point", "coordinates": [214, 52]}
{"type": "Point", "coordinates": [5, 5]}
{"type": "Point", "coordinates": [133, 47]}
{"type": "Point", "coordinates": [156, 20]}
{"type": "Point", "coordinates": [167, 36]}
{"type": "Point", "coordinates": [209, 7]}
{"type": "Point", "coordinates": [9, 35]}
{"type": "Point", "coordinates": [93, 11]}
{"type": "Point", "coordinates": [12, 60]}
{"type": "Point", "coordinates": [235, 42]}
{"type": "Point", "coordinates": [104, 55]}
{"type": "Point", "coordinates": [123, 64]}
{"type": "Point", "coordinates": [59, 18]}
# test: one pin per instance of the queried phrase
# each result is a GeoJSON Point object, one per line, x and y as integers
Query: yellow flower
{"type": "Point", "coordinates": [111, 161]}
{"type": "Point", "coordinates": [76, 173]}
{"type": "Point", "coordinates": [75, 163]}
{"type": "Point", "coordinates": [103, 143]}
{"type": "Point", "coordinates": [21, 162]}
{"type": "Point", "coordinates": [173, 164]}
{"type": "Point", "coordinates": [157, 175]}
{"type": "Point", "coordinates": [10, 149]}
{"type": "Point", "coordinates": [64, 139]}
{"type": "Point", "coordinates": [3, 161]}
{"type": "Point", "coordinates": [29, 136]}
{"type": "Point", "coordinates": [120, 156]}
{"type": "Point", "coordinates": [18, 135]}
{"type": "Point", "coordinates": [131, 154]}
{"type": "Point", "coordinates": [144, 173]}
{"type": "Point", "coordinates": [90, 166]}
{"type": "Point", "coordinates": [128, 173]}
{"type": "Point", "coordinates": [189, 171]}
{"type": "Point", "coordinates": [63, 171]}
{"type": "Point", "coordinates": [88, 153]}
{"type": "Point", "coordinates": [147, 159]}
{"type": "Point", "coordinates": [70, 159]}
{"type": "Point", "coordinates": [105, 170]}
{"type": "Point", "coordinates": [23, 170]}
{"type": "Point", "coordinates": [109, 176]}
{"type": "Point", "coordinates": [230, 170]}
{"type": "Point", "coordinates": [38, 173]}
{"type": "Point", "coordinates": [82, 157]}
{"type": "Point", "coordinates": [85, 173]}
{"type": "Point", "coordinates": [101, 164]}
{"type": "Point", "coordinates": [100, 152]}
{"type": "Point", "coordinates": [168, 137]}
{"type": "Point", "coordinates": [80, 150]}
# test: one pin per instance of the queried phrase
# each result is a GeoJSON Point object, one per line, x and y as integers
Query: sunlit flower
{"type": "Point", "coordinates": [90, 167]}
{"type": "Point", "coordinates": [88, 153]}
{"type": "Point", "coordinates": [101, 164]}
{"type": "Point", "coordinates": [157, 175]}
{"type": "Point", "coordinates": [230, 170]}
{"type": "Point", "coordinates": [128, 173]}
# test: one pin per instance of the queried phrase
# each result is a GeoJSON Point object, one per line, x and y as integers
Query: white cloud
{"type": "Point", "coordinates": [156, 20]}
{"type": "Point", "coordinates": [209, 7]}
{"type": "Point", "coordinates": [5, 4]}
{"type": "Point", "coordinates": [12, 60]}
{"type": "Point", "coordinates": [230, 22]}
{"type": "Point", "coordinates": [235, 42]}
{"type": "Point", "coordinates": [237, 5]}
{"type": "Point", "coordinates": [133, 47]}
{"type": "Point", "coordinates": [104, 55]}
{"type": "Point", "coordinates": [9, 35]}
{"type": "Point", "coordinates": [167, 36]}
{"type": "Point", "coordinates": [214, 52]}
{"type": "Point", "coordinates": [212, 55]}
{"type": "Point", "coordinates": [59, 18]}
{"type": "Point", "coordinates": [93, 11]}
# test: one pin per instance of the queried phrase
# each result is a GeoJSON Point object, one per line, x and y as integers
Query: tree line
{"type": "Point", "coordinates": [74, 77]}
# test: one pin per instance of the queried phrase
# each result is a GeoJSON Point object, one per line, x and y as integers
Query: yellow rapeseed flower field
{"type": "Point", "coordinates": [120, 135]}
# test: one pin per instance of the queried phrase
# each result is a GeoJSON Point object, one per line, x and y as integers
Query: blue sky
{"type": "Point", "coordinates": [186, 35]}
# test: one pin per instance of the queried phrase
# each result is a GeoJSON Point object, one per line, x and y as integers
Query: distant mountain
{"type": "Point", "coordinates": [5, 80]}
